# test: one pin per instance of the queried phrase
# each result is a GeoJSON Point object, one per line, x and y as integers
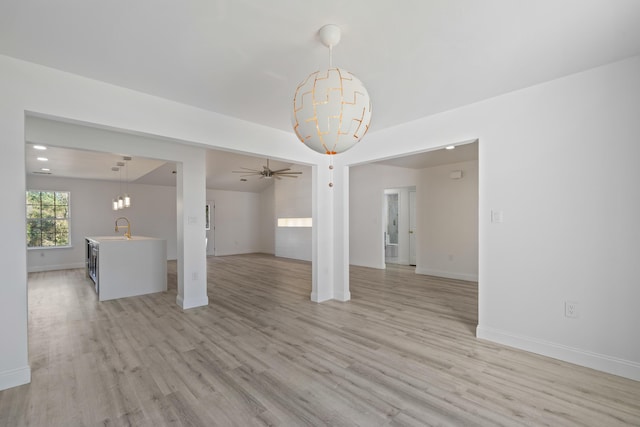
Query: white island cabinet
{"type": "Point", "coordinates": [121, 267]}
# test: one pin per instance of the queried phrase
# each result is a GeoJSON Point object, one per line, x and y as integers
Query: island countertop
{"type": "Point", "coordinates": [125, 267]}
{"type": "Point", "coordinates": [103, 239]}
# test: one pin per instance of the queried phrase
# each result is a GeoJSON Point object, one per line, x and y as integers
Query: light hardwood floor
{"type": "Point", "coordinates": [402, 352]}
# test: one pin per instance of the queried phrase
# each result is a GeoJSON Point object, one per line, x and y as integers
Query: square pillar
{"type": "Point", "coordinates": [330, 252]}
{"type": "Point", "coordinates": [191, 206]}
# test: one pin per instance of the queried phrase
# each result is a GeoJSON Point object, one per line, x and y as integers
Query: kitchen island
{"type": "Point", "coordinates": [124, 267]}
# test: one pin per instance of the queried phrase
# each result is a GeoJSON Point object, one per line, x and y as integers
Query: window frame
{"type": "Point", "coordinates": [54, 219]}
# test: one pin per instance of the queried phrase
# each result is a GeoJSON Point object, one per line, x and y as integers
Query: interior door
{"type": "Point", "coordinates": [412, 227]}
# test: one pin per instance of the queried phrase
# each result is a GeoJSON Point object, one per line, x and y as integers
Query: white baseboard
{"type": "Point", "coordinates": [316, 298]}
{"type": "Point", "coordinates": [343, 297]}
{"type": "Point", "coordinates": [39, 268]}
{"type": "Point", "coordinates": [447, 274]}
{"type": "Point", "coordinates": [15, 377]}
{"type": "Point", "coordinates": [191, 303]}
{"type": "Point", "coordinates": [600, 362]}
{"type": "Point", "coordinates": [376, 266]}
{"type": "Point", "coordinates": [301, 257]}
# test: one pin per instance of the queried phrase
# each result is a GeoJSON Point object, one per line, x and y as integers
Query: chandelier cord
{"type": "Point", "coordinates": [330, 171]}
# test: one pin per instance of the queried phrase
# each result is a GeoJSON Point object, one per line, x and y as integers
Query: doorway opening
{"type": "Point", "coordinates": [399, 225]}
{"type": "Point", "coordinates": [210, 228]}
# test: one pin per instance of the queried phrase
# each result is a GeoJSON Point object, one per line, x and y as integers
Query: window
{"type": "Point", "coordinates": [47, 219]}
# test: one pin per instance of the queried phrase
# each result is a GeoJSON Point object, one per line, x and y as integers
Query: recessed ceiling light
{"type": "Point", "coordinates": [450, 147]}
{"type": "Point", "coordinates": [43, 159]}
{"type": "Point", "coordinates": [39, 147]}
{"type": "Point", "coordinates": [45, 169]}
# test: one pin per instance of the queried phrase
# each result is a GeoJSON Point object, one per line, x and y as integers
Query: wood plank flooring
{"type": "Point", "coordinates": [402, 352]}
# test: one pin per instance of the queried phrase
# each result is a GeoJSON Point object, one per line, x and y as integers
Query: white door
{"type": "Point", "coordinates": [412, 227]}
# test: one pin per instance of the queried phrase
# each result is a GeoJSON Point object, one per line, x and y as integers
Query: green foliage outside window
{"type": "Point", "coordinates": [47, 218]}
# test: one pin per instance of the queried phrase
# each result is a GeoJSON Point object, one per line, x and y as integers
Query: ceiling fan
{"type": "Point", "coordinates": [268, 173]}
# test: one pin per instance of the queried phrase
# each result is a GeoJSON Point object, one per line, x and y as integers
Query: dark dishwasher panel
{"type": "Point", "coordinates": [93, 262]}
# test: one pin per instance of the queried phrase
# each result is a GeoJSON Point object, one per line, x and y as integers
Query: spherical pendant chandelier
{"type": "Point", "coordinates": [331, 108]}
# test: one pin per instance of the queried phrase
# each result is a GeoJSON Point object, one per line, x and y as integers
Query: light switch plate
{"type": "Point", "coordinates": [496, 216]}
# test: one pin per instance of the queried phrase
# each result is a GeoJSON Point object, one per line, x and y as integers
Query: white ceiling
{"type": "Point", "coordinates": [84, 164]}
{"type": "Point", "coordinates": [245, 58]}
{"type": "Point", "coordinates": [72, 163]}
{"type": "Point", "coordinates": [220, 176]}
{"type": "Point", "coordinates": [428, 159]}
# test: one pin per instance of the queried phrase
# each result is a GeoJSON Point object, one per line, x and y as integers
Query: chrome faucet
{"type": "Point", "coordinates": [128, 233]}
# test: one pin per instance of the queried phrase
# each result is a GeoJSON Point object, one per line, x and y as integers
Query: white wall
{"type": "Point", "coordinates": [366, 206]}
{"type": "Point", "coordinates": [152, 213]}
{"type": "Point", "coordinates": [447, 222]}
{"type": "Point", "coordinates": [557, 158]}
{"type": "Point", "coordinates": [560, 160]}
{"type": "Point", "coordinates": [293, 200]}
{"type": "Point", "coordinates": [268, 220]}
{"type": "Point", "coordinates": [38, 90]}
{"type": "Point", "coordinates": [237, 222]}
{"type": "Point", "coordinates": [190, 188]}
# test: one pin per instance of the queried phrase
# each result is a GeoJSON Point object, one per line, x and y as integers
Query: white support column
{"type": "Point", "coordinates": [341, 233]}
{"type": "Point", "coordinates": [330, 253]}
{"type": "Point", "coordinates": [14, 360]}
{"type": "Point", "coordinates": [322, 234]}
{"type": "Point", "coordinates": [192, 257]}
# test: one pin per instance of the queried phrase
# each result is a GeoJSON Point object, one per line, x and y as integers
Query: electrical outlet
{"type": "Point", "coordinates": [571, 309]}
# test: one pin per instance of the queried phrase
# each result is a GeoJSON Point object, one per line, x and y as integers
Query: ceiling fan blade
{"type": "Point", "coordinates": [247, 170]}
{"type": "Point", "coordinates": [266, 172]}
{"type": "Point", "coordinates": [250, 173]}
